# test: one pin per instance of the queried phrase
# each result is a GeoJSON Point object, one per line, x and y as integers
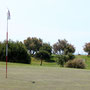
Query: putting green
{"type": "Point", "coordinates": [44, 78]}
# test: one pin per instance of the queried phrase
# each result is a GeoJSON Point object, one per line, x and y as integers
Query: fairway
{"type": "Point", "coordinates": [43, 78]}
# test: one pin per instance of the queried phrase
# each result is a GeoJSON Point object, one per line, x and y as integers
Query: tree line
{"type": "Point", "coordinates": [21, 52]}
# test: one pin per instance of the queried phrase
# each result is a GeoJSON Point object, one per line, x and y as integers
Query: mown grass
{"type": "Point", "coordinates": [47, 77]}
{"type": "Point", "coordinates": [21, 77]}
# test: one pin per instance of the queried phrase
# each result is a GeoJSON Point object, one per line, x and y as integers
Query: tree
{"type": "Point", "coordinates": [60, 46]}
{"type": "Point", "coordinates": [43, 55]}
{"type": "Point", "coordinates": [63, 47]}
{"type": "Point", "coordinates": [56, 48]}
{"type": "Point", "coordinates": [69, 49]}
{"type": "Point", "coordinates": [87, 48]}
{"type": "Point", "coordinates": [33, 44]}
{"type": "Point", "coordinates": [46, 47]}
{"type": "Point", "coordinates": [65, 51]}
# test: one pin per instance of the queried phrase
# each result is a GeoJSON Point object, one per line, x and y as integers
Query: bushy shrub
{"type": "Point", "coordinates": [17, 52]}
{"type": "Point", "coordinates": [2, 52]}
{"type": "Point", "coordinates": [71, 56]}
{"type": "Point", "coordinates": [76, 63]}
{"type": "Point", "coordinates": [62, 59]}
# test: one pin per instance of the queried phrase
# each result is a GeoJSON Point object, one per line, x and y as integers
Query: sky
{"type": "Point", "coordinates": [49, 20]}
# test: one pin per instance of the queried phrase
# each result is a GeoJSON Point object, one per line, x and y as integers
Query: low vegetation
{"type": "Point", "coordinates": [76, 63]}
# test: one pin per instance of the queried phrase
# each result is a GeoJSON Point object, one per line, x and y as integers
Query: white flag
{"type": "Point", "coordinates": [8, 15]}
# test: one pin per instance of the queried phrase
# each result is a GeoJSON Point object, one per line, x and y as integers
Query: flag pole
{"type": "Point", "coordinates": [6, 47]}
{"type": "Point", "coordinates": [8, 18]}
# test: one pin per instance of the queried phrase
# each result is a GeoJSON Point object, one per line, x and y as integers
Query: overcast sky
{"type": "Point", "coordinates": [49, 20]}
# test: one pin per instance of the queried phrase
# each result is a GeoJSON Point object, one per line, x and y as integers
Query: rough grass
{"type": "Point", "coordinates": [36, 62]}
{"type": "Point", "coordinates": [32, 77]}
{"type": "Point", "coordinates": [87, 60]}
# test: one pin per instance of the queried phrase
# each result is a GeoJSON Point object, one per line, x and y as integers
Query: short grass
{"type": "Point", "coordinates": [50, 76]}
{"type": "Point", "coordinates": [35, 77]}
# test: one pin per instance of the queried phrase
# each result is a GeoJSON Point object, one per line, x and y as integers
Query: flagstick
{"type": "Point", "coordinates": [6, 47]}
{"type": "Point", "coordinates": [8, 18]}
